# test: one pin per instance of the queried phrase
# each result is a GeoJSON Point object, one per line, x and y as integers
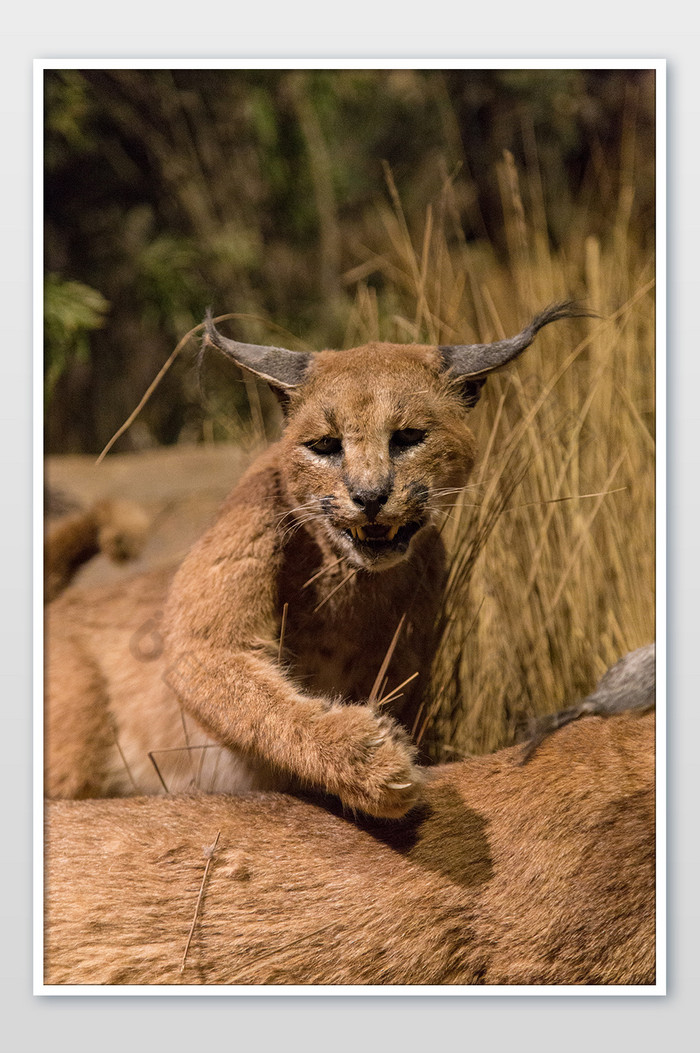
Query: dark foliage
{"type": "Point", "coordinates": [256, 191]}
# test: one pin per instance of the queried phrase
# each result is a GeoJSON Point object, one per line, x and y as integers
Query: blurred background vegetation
{"type": "Point", "coordinates": [329, 208]}
{"type": "Point", "coordinates": [265, 193]}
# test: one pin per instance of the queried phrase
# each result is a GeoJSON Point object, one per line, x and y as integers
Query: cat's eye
{"type": "Point", "coordinates": [326, 445]}
{"type": "Point", "coordinates": [408, 437]}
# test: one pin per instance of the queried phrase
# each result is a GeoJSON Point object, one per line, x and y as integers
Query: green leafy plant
{"type": "Point", "coordinates": [72, 311]}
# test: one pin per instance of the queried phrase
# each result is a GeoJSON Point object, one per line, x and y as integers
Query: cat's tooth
{"type": "Point", "coordinates": [353, 531]}
{"type": "Point", "coordinates": [391, 533]}
{"type": "Point", "coordinates": [361, 533]}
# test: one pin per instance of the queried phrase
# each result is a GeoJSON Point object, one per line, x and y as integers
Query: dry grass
{"type": "Point", "coordinates": [552, 575]}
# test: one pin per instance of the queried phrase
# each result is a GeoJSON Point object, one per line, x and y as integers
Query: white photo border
{"type": "Point", "coordinates": [42, 65]}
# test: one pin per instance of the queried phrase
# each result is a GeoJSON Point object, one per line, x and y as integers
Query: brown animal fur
{"type": "Point", "coordinates": [116, 528]}
{"type": "Point", "coordinates": [340, 523]}
{"type": "Point", "coordinates": [542, 874]}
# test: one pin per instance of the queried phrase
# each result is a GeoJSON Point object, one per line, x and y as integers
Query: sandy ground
{"type": "Point", "coordinates": [180, 488]}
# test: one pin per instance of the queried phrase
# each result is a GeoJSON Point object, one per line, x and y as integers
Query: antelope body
{"type": "Point", "coordinates": [506, 874]}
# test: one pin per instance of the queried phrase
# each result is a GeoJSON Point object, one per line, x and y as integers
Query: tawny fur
{"type": "Point", "coordinates": [198, 660]}
{"type": "Point", "coordinates": [116, 528]}
{"type": "Point", "coordinates": [542, 874]}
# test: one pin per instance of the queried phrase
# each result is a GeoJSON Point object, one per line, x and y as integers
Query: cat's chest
{"type": "Point", "coordinates": [338, 647]}
{"type": "Point", "coordinates": [340, 622]}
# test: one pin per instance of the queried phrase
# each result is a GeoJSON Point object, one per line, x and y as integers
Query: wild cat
{"type": "Point", "coordinates": [336, 526]}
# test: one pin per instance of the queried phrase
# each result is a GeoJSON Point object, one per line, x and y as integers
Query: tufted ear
{"type": "Point", "coordinates": [470, 364]}
{"type": "Point", "coordinates": [282, 369]}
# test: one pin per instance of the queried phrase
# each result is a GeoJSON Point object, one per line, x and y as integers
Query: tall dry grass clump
{"type": "Point", "coordinates": [552, 545]}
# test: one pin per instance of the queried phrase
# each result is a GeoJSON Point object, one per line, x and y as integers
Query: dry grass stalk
{"type": "Point", "coordinates": [283, 627]}
{"type": "Point", "coordinates": [378, 685]}
{"type": "Point", "coordinates": [209, 854]}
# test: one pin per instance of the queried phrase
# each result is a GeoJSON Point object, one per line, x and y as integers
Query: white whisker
{"type": "Point", "coordinates": [308, 506]}
{"type": "Point", "coordinates": [297, 524]}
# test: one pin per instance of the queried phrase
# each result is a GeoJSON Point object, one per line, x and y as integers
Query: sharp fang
{"type": "Point", "coordinates": [360, 533]}
{"type": "Point", "coordinates": [353, 531]}
{"type": "Point", "coordinates": [391, 533]}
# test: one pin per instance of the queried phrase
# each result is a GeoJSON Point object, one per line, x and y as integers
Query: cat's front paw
{"type": "Point", "coordinates": [374, 771]}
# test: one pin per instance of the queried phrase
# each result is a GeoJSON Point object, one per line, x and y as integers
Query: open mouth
{"type": "Point", "coordinates": [377, 537]}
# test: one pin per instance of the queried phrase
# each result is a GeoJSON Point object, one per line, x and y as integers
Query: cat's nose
{"type": "Point", "coordinates": [370, 500]}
